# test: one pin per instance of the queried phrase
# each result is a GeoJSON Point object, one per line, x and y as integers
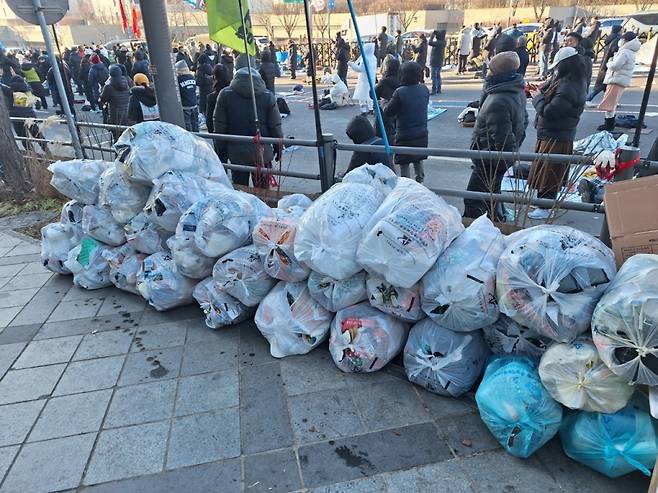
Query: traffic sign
{"type": "Point", "coordinates": [53, 10]}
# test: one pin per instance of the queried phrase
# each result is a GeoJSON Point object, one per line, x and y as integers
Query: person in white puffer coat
{"type": "Point", "coordinates": [618, 77]}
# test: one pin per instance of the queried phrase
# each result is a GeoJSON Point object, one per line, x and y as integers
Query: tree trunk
{"type": "Point", "coordinates": [13, 164]}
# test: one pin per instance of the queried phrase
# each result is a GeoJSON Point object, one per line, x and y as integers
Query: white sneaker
{"type": "Point", "coordinates": [539, 213]}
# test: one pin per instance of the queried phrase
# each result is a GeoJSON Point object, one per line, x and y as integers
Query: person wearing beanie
{"type": "Point", "coordinates": [98, 75]}
{"type": "Point", "coordinates": [609, 49]}
{"type": "Point", "coordinates": [187, 89]}
{"type": "Point", "coordinates": [114, 97]}
{"type": "Point", "coordinates": [142, 105]}
{"type": "Point", "coordinates": [522, 52]}
{"type": "Point", "coordinates": [500, 126]}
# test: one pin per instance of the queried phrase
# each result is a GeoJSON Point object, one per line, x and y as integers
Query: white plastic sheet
{"type": "Point", "coordinates": [336, 294]}
{"type": "Point", "coordinates": [78, 178]}
{"type": "Point", "coordinates": [403, 303]}
{"type": "Point", "coordinates": [125, 262]}
{"type": "Point", "coordinates": [162, 285]}
{"type": "Point", "coordinates": [145, 236]}
{"type": "Point", "coordinates": [220, 308]}
{"type": "Point", "coordinates": [57, 240]}
{"type": "Point", "coordinates": [189, 259]}
{"type": "Point", "coordinates": [98, 223]}
{"type": "Point", "coordinates": [241, 274]}
{"type": "Point", "coordinates": [505, 336]}
{"type": "Point", "coordinates": [407, 234]}
{"type": "Point", "coordinates": [89, 267]}
{"type": "Point", "coordinates": [292, 321]}
{"type": "Point", "coordinates": [294, 204]}
{"type": "Point", "coordinates": [72, 213]}
{"type": "Point", "coordinates": [459, 291]}
{"type": "Point", "coordinates": [123, 197]}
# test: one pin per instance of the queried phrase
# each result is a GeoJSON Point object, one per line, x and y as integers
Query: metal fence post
{"type": "Point", "coordinates": [328, 165]}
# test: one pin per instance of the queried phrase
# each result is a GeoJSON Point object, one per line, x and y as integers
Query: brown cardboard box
{"type": "Point", "coordinates": [631, 209]}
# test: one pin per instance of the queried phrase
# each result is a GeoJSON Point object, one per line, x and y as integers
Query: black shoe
{"type": "Point", "coordinates": [608, 125]}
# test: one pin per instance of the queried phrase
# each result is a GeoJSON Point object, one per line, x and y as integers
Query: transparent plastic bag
{"type": "Point", "coordinates": [221, 309]}
{"type": "Point", "coordinates": [330, 230]}
{"type": "Point", "coordinates": [335, 294]}
{"type": "Point", "coordinates": [612, 444]}
{"type": "Point", "coordinates": [505, 336]}
{"type": "Point", "coordinates": [125, 262]}
{"type": "Point", "coordinates": [78, 178]}
{"type": "Point", "coordinates": [160, 283]}
{"type": "Point", "coordinates": [442, 361]}
{"type": "Point", "coordinates": [549, 279]}
{"type": "Point", "coordinates": [57, 240]}
{"type": "Point", "coordinates": [625, 321]}
{"type": "Point", "coordinates": [403, 303]}
{"type": "Point", "coordinates": [72, 213]}
{"type": "Point", "coordinates": [517, 409]}
{"type": "Point", "coordinates": [89, 268]}
{"type": "Point", "coordinates": [98, 223]}
{"type": "Point", "coordinates": [575, 376]}
{"type": "Point", "coordinates": [147, 150]}
{"type": "Point", "coordinates": [145, 236]}
{"type": "Point", "coordinates": [241, 274]}
{"type": "Point", "coordinates": [363, 339]}
{"type": "Point", "coordinates": [407, 234]}
{"type": "Point", "coordinates": [294, 204]}
{"type": "Point", "coordinates": [189, 259]}
{"type": "Point", "coordinates": [459, 291]}
{"type": "Point", "coordinates": [123, 197]}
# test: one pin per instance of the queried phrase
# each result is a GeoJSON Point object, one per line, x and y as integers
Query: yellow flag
{"type": "Point", "coordinates": [225, 26]}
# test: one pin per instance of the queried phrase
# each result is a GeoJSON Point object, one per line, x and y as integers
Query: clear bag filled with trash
{"type": "Point", "coordinates": [330, 230]}
{"type": "Point", "coordinates": [98, 223]}
{"type": "Point", "coordinates": [363, 339]}
{"type": "Point", "coordinates": [160, 283]}
{"type": "Point", "coordinates": [294, 204]}
{"type": "Point", "coordinates": [241, 274]}
{"type": "Point", "coordinates": [575, 376]}
{"type": "Point", "coordinates": [292, 321]}
{"type": "Point", "coordinates": [89, 268]}
{"type": "Point", "coordinates": [612, 444]}
{"type": "Point", "coordinates": [146, 236]}
{"type": "Point", "coordinates": [336, 294]}
{"type": "Point", "coordinates": [125, 262]}
{"type": "Point", "coordinates": [517, 409]}
{"type": "Point", "coordinates": [625, 321]}
{"type": "Point", "coordinates": [147, 150]}
{"type": "Point", "coordinates": [459, 291]}
{"type": "Point", "coordinates": [78, 178]}
{"type": "Point", "coordinates": [57, 240]}
{"type": "Point", "coordinates": [443, 361]}
{"type": "Point", "coordinates": [549, 278]}
{"type": "Point", "coordinates": [220, 308]}
{"type": "Point", "coordinates": [505, 336]}
{"type": "Point", "coordinates": [403, 303]}
{"type": "Point", "coordinates": [72, 213]}
{"type": "Point", "coordinates": [189, 259]}
{"type": "Point", "coordinates": [123, 197]}
{"type": "Point", "coordinates": [407, 234]}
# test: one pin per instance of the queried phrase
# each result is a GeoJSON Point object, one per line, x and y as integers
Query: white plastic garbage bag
{"type": "Point", "coordinates": [403, 303]}
{"type": "Point", "coordinates": [407, 234]}
{"type": "Point", "coordinates": [57, 240]}
{"type": "Point", "coordinates": [89, 268]}
{"type": "Point", "coordinates": [442, 361]}
{"type": "Point", "coordinates": [221, 309]}
{"type": "Point", "coordinates": [549, 278]}
{"type": "Point", "coordinates": [145, 236]}
{"type": "Point", "coordinates": [294, 204]}
{"type": "Point", "coordinates": [241, 274]}
{"type": "Point", "coordinates": [292, 321]}
{"type": "Point", "coordinates": [330, 230]}
{"type": "Point", "coordinates": [160, 283]}
{"type": "Point", "coordinates": [147, 150]}
{"type": "Point", "coordinates": [98, 223]}
{"type": "Point", "coordinates": [72, 213]}
{"type": "Point", "coordinates": [78, 178]}
{"type": "Point", "coordinates": [336, 294]}
{"type": "Point", "coordinates": [459, 291]}
{"type": "Point", "coordinates": [575, 376]}
{"type": "Point", "coordinates": [125, 262]}
{"type": "Point", "coordinates": [123, 197]}
{"type": "Point", "coordinates": [625, 321]}
{"type": "Point", "coordinates": [505, 336]}
{"type": "Point", "coordinates": [363, 339]}
{"type": "Point", "coordinates": [189, 259]}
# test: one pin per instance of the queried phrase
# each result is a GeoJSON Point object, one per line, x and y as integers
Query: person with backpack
{"type": "Point", "coordinates": [360, 131]}
{"type": "Point", "coordinates": [142, 105]}
{"type": "Point", "coordinates": [115, 96]}
{"type": "Point", "coordinates": [98, 75]}
{"type": "Point", "coordinates": [438, 43]}
{"type": "Point", "coordinates": [187, 89]}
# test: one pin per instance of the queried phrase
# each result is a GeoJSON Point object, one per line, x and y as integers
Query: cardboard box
{"type": "Point", "coordinates": [631, 209]}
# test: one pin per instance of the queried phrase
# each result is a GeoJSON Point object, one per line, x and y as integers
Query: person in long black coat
{"type": "Point", "coordinates": [384, 89]}
{"type": "Point", "coordinates": [267, 71]}
{"type": "Point", "coordinates": [204, 79]}
{"type": "Point", "coordinates": [421, 56]}
{"type": "Point", "coordinates": [342, 52]}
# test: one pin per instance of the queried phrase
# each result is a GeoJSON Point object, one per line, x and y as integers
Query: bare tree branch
{"type": "Point", "coordinates": [288, 15]}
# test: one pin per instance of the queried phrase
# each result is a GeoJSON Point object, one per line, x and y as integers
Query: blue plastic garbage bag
{"type": "Point", "coordinates": [612, 444]}
{"type": "Point", "coordinates": [515, 406]}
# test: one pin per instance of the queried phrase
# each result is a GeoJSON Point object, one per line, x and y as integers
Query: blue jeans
{"type": "Point", "coordinates": [436, 80]}
{"type": "Point", "coordinates": [543, 64]}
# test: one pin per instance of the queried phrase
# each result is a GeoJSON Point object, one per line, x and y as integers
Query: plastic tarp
{"type": "Point", "coordinates": [125, 262]}
{"type": "Point", "coordinates": [459, 291]}
{"type": "Point", "coordinates": [575, 376]}
{"type": "Point", "coordinates": [78, 178]}
{"type": "Point", "coordinates": [407, 234]}
{"type": "Point", "coordinates": [442, 361]}
{"type": "Point", "coordinates": [221, 309]}
{"type": "Point", "coordinates": [363, 339]}
{"type": "Point", "coordinates": [292, 321]}
{"type": "Point", "coordinates": [145, 236]}
{"type": "Point", "coordinates": [241, 274]}
{"type": "Point", "coordinates": [98, 223]}
{"type": "Point", "coordinates": [336, 294]}
{"type": "Point", "coordinates": [89, 267]}
{"type": "Point", "coordinates": [72, 213]}
{"type": "Point", "coordinates": [57, 240]}
{"type": "Point", "coordinates": [403, 303]}
{"type": "Point", "coordinates": [162, 285]}
{"type": "Point", "coordinates": [505, 336]}
{"type": "Point", "coordinates": [597, 142]}
{"type": "Point", "coordinates": [550, 278]}
{"type": "Point", "coordinates": [625, 322]}
{"type": "Point", "coordinates": [147, 150]}
{"type": "Point", "coordinates": [516, 407]}
{"type": "Point", "coordinates": [123, 197]}
{"type": "Point", "coordinates": [189, 259]}
{"type": "Point", "coordinates": [330, 230]}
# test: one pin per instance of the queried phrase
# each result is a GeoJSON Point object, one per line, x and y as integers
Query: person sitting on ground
{"type": "Point", "coordinates": [142, 105]}
{"type": "Point", "coordinates": [338, 94]}
{"type": "Point", "coordinates": [360, 131]}
{"type": "Point", "coordinates": [116, 94]}
{"type": "Point", "coordinates": [267, 70]}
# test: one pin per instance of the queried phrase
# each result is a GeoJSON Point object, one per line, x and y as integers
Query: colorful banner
{"type": "Point", "coordinates": [225, 26]}
{"type": "Point", "coordinates": [124, 19]}
{"type": "Point", "coordinates": [135, 17]}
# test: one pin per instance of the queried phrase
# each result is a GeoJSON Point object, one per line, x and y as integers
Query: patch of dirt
{"type": "Point", "coordinates": [14, 207]}
{"type": "Point", "coordinates": [34, 230]}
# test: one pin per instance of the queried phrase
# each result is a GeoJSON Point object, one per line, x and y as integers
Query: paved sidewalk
{"type": "Point", "coordinates": [100, 393]}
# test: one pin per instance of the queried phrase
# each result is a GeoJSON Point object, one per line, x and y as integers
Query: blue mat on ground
{"type": "Point", "coordinates": [433, 110]}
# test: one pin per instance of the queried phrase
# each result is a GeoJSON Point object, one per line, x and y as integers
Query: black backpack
{"type": "Point", "coordinates": [284, 109]}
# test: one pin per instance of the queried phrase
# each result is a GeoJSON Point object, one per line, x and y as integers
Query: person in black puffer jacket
{"type": "Point", "coordinates": [267, 70]}
{"type": "Point", "coordinates": [203, 79]}
{"type": "Point", "coordinates": [385, 88]}
{"type": "Point", "coordinates": [221, 80]}
{"type": "Point", "coordinates": [438, 43]}
{"type": "Point", "coordinates": [141, 65]}
{"type": "Point", "coordinates": [361, 132]}
{"type": "Point", "coordinates": [522, 52]}
{"type": "Point", "coordinates": [116, 94]}
{"type": "Point", "coordinates": [142, 105]}
{"type": "Point", "coordinates": [500, 126]}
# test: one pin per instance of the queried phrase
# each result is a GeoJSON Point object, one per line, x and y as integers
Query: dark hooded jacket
{"type": "Point", "coordinates": [421, 52]}
{"type": "Point", "coordinates": [267, 70]}
{"type": "Point", "coordinates": [505, 42]}
{"type": "Point", "coordinates": [228, 62]}
{"type": "Point", "coordinates": [204, 78]}
{"type": "Point", "coordinates": [360, 131]}
{"type": "Point", "coordinates": [524, 59]}
{"type": "Point", "coordinates": [438, 44]}
{"type": "Point", "coordinates": [610, 47]}
{"type": "Point", "coordinates": [385, 88]}
{"type": "Point", "coordinates": [409, 104]}
{"type": "Point", "coordinates": [85, 65]}
{"type": "Point", "coordinates": [222, 80]}
{"type": "Point", "coordinates": [98, 74]}
{"type": "Point", "coordinates": [140, 95]}
{"type": "Point", "coordinates": [141, 65]}
{"type": "Point", "coordinates": [587, 58]}
{"type": "Point", "coordinates": [116, 94]}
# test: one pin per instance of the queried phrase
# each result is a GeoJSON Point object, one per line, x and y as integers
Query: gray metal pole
{"type": "Point", "coordinates": [156, 30]}
{"type": "Point", "coordinates": [75, 138]}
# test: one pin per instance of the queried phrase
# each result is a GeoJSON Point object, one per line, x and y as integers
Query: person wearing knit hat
{"type": "Point", "coordinates": [500, 126]}
{"type": "Point", "coordinates": [95, 59]}
{"type": "Point", "coordinates": [187, 88]}
{"type": "Point", "coordinates": [141, 80]}
{"type": "Point", "coordinates": [142, 105]}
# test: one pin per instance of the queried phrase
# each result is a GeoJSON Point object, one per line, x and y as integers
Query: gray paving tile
{"type": "Point", "coordinates": [120, 301]}
{"type": "Point", "coordinates": [265, 424]}
{"type": "Point", "coordinates": [27, 281]}
{"type": "Point", "coordinates": [207, 392]}
{"type": "Point", "coordinates": [374, 484]}
{"type": "Point", "coordinates": [323, 416]}
{"type": "Point", "coordinates": [254, 348]}
{"type": "Point", "coordinates": [50, 466]}
{"type": "Point", "coordinates": [10, 270]}
{"type": "Point", "coordinates": [5, 250]}
{"type": "Point", "coordinates": [24, 248]}
{"type": "Point", "coordinates": [70, 310]}
{"type": "Point", "coordinates": [128, 452]}
{"type": "Point", "coordinates": [446, 477]}
{"type": "Point", "coordinates": [188, 312]}
{"type": "Point", "coordinates": [16, 297]}
{"type": "Point", "coordinates": [366, 455]}
{"type": "Point", "coordinates": [35, 268]}
{"type": "Point", "coordinates": [107, 343]}
{"type": "Point", "coordinates": [76, 293]}
{"type": "Point", "coordinates": [149, 366]}
{"type": "Point", "coordinates": [17, 420]}
{"type": "Point", "coordinates": [201, 438]}
{"type": "Point", "coordinates": [198, 332]}
{"type": "Point", "coordinates": [40, 306]}
{"type": "Point", "coordinates": [203, 357]}
{"type": "Point", "coordinates": [272, 472]}
{"type": "Point", "coordinates": [8, 240]}
{"type": "Point", "coordinates": [20, 259]}
{"type": "Point", "coordinates": [159, 336]}
{"type": "Point", "coordinates": [388, 375]}
{"type": "Point", "coordinates": [18, 333]}
{"type": "Point", "coordinates": [48, 352]}
{"type": "Point", "coordinates": [7, 455]}
{"type": "Point", "coordinates": [4, 281]}
{"type": "Point", "coordinates": [29, 384]}
{"type": "Point", "coordinates": [84, 376]}
{"type": "Point", "coordinates": [126, 323]}
{"type": "Point", "coordinates": [8, 354]}
{"type": "Point", "coordinates": [143, 403]}
{"type": "Point", "coordinates": [71, 415]}
{"type": "Point", "coordinates": [8, 314]}
{"type": "Point", "coordinates": [445, 407]}
{"type": "Point", "coordinates": [467, 435]}
{"type": "Point", "coordinates": [311, 372]}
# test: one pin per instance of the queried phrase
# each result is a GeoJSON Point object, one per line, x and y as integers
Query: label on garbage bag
{"type": "Point", "coordinates": [87, 247]}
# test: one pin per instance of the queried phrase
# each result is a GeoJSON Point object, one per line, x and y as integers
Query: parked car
{"type": "Point", "coordinates": [606, 24]}
{"type": "Point", "coordinates": [528, 28]}
{"type": "Point", "coordinates": [643, 23]}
